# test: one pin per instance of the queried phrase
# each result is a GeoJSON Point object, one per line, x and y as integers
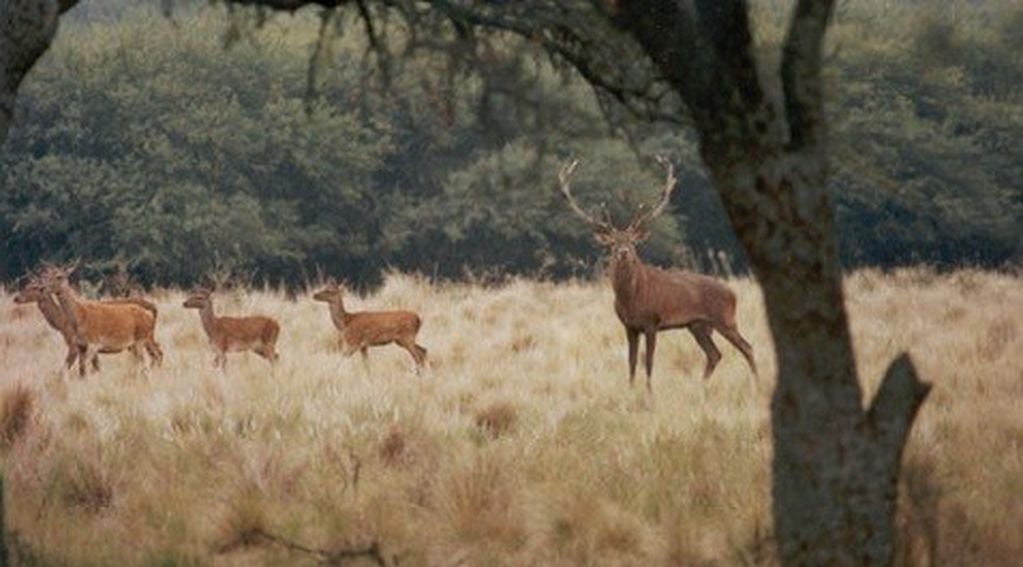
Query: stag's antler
{"type": "Point", "coordinates": [669, 185]}
{"type": "Point", "coordinates": [564, 176]}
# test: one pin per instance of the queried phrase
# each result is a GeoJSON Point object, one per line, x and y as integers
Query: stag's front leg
{"type": "Point", "coordinates": [633, 336]}
{"type": "Point", "coordinates": [651, 345]}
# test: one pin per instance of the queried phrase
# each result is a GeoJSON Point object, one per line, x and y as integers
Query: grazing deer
{"type": "Point", "coordinates": [35, 292]}
{"type": "Point", "coordinates": [104, 326]}
{"type": "Point", "coordinates": [235, 334]}
{"type": "Point", "coordinates": [649, 299]}
{"type": "Point", "coordinates": [361, 330]}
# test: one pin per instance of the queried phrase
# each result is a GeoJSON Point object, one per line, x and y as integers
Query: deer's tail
{"type": "Point", "coordinates": [143, 303]}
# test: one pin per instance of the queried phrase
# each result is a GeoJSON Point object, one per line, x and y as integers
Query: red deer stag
{"type": "Point", "coordinates": [649, 299]}
{"type": "Point", "coordinates": [35, 292]}
{"type": "Point", "coordinates": [361, 330]}
{"type": "Point", "coordinates": [235, 334]}
{"type": "Point", "coordinates": [103, 326]}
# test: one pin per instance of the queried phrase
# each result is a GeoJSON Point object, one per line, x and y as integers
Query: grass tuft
{"type": "Point", "coordinates": [523, 446]}
{"type": "Point", "coordinates": [17, 404]}
{"type": "Point", "coordinates": [497, 419]}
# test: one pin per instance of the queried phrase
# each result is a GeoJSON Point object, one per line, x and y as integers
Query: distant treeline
{"type": "Point", "coordinates": [146, 141]}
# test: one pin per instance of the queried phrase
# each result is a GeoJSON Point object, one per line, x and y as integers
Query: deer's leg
{"type": "Point", "coordinates": [84, 358]}
{"type": "Point", "coordinates": [422, 354]}
{"type": "Point", "coordinates": [220, 360]}
{"type": "Point", "coordinates": [154, 351]}
{"type": "Point", "coordinates": [267, 352]}
{"type": "Point", "coordinates": [633, 336]}
{"type": "Point", "coordinates": [702, 333]}
{"type": "Point", "coordinates": [364, 352]}
{"type": "Point", "coordinates": [651, 345]}
{"type": "Point", "coordinates": [72, 355]}
{"type": "Point", "coordinates": [418, 353]}
{"type": "Point", "coordinates": [136, 353]}
{"type": "Point", "coordinates": [733, 336]}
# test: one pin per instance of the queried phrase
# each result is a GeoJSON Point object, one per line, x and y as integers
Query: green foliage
{"type": "Point", "coordinates": [145, 140]}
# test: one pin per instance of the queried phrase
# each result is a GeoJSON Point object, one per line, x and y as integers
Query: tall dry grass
{"type": "Point", "coordinates": [522, 445]}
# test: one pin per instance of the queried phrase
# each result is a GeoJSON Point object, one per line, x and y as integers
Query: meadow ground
{"type": "Point", "coordinates": [522, 446]}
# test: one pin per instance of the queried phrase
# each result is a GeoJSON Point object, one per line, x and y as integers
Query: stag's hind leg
{"type": "Point", "coordinates": [733, 336]}
{"type": "Point", "coordinates": [702, 333]}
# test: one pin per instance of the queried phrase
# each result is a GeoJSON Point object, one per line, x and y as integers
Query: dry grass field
{"type": "Point", "coordinates": [521, 446]}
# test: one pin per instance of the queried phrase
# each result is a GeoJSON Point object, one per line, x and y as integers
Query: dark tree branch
{"type": "Point", "coordinates": [370, 552]}
{"type": "Point", "coordinates": [801, 73]}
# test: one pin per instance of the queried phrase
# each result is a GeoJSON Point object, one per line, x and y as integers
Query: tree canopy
{"type": "Point", "coordinates": [144, 139]}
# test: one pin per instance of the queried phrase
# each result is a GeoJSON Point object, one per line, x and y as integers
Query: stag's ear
{"type": "Point", "coordinates": [603, 238]}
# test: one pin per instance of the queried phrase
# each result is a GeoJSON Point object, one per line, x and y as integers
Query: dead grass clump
{"type": "Point", "coordinates": [479, 502]}
{"type": "Point", "coordinates": [87, 486]}
{"type": "Point", "coordinates": [392, 448]}
{"type": "Point", "coordinates": [244, 523]}
{"type": "Point", "coordinates": [999, 335]}
{"type": "Point", "coordinates": [497, 419]}
{"type": "Point", "coordinates": [523, 343]}
{"type": "Point", "coordinates": [16, 408]}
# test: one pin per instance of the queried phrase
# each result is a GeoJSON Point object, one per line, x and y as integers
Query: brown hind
{"type": "Point", "coordinates": [255, 333]}
{"type": "Point", "coordinates": [100, 325]}
{"type": "Point", "coordinates": [35, 292]}
{"type": "Point", "coordinates": [361, 330]}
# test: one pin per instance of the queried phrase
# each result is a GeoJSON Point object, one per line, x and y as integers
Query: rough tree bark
{"type": "Point", "coordinates": [836, 464]}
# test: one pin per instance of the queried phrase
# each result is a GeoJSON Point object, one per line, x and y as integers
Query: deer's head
{"type": "Point", "coordinates": [53, 277]}
{"type": "Point", "coordinates": [620, 241]}
{"type": "Point", "coordinates": [332, 293]}
{"type": "Point", "coordinates": [34, 290]}
{"type": "Point", "coordinates": [198, 298]}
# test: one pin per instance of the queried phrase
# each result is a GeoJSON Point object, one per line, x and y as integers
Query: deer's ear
{"type": "Point", "coordinates": [640, 233]}
{"type": "Point", "coordinates": [603, 238]}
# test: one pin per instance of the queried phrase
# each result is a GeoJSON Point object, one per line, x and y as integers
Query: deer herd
{"type": "Point", "coordinates": [647, 300]}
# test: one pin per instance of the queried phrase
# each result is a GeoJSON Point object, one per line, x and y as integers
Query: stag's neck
{"type": "Point", "coordinates": [53, 313]}
{"type": "Point", "coordinates": [208, 317]}
{"type": "Point", "coordinates": [338, 315]}
{"type": "Point", "coordinates": [627, 279]}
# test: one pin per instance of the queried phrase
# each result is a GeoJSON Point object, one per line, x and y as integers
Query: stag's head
{"type": "Point", "coordinates": [620, 241]}
{"type": "Point", "coordinates": [332, 293]}
{"type": "Point", "coordinates": [198, 298]}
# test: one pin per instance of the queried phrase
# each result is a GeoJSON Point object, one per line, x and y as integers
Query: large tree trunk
{"type": "Point", "coordinates": [836, 465]}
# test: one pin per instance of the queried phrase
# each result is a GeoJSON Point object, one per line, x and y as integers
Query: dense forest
{"type": "Point", "coordinates": [236, 144]}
